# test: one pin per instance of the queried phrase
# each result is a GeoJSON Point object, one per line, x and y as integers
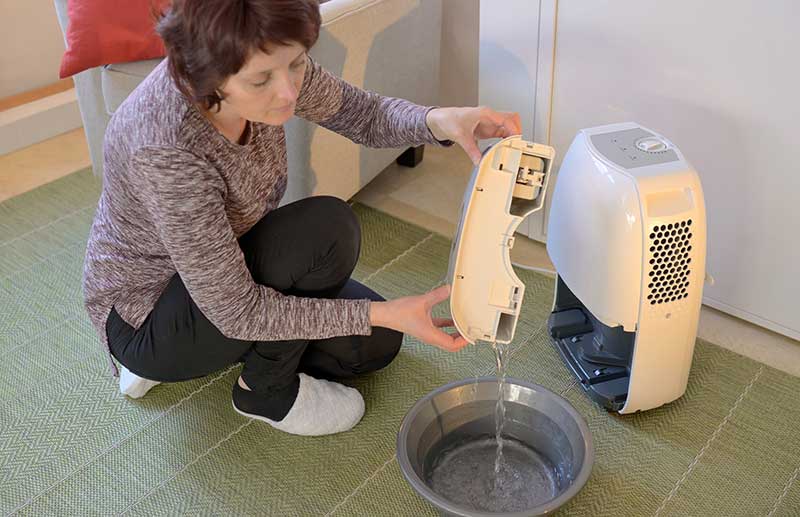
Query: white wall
{"type": "Point", "coordinates": [508, 53]}
{"type": "Point", "coordinates": [32, 45]}
{"type": "Point", "coordinates": [459, 53]}
{"type": "Point", "coordinates": [508, 62]}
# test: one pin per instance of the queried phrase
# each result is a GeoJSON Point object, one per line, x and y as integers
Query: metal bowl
{"type": "Point", "coordinates": [465, 409]}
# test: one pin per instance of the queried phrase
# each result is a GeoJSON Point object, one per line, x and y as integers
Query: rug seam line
{"type": "Point", "coordinates": [706, 446]}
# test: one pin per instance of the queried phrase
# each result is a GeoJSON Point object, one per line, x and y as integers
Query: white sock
{"type": "Point", "coordinates": [132, 385]}
{"type": "Point", "coordinates": [322, 407]}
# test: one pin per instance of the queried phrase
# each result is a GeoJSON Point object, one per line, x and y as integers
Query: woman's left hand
{"type": "Point", "coordinates": [466, 126]}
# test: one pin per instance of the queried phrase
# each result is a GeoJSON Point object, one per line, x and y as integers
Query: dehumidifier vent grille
{"type": "Point", "coordinates": [670, 261]}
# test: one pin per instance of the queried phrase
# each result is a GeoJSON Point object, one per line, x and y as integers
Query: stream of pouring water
{"type": "Point", "coordinates": [501, 357]}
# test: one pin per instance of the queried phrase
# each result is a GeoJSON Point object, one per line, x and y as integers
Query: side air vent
{"type": "Point", "coordinates": [670, 260]}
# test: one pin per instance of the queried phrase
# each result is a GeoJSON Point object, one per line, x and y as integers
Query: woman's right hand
{"type": "Point", "coordinates": [412, 315]}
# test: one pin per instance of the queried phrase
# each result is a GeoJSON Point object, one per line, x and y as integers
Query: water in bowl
{"type": "Point", "coordinates": [464, 473]}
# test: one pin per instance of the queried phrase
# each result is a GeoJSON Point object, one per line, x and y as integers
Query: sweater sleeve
{"type": "Point", "coordinates": [362, 116]}
{"type": "Point", "coordinates": [184, 195]}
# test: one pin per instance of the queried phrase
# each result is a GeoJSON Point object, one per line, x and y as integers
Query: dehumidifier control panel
{"type": "Point", "coordinates": [632, 148]}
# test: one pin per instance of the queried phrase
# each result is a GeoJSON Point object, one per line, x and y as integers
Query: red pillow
{"type": "Point", "coordinates": [110, 31]}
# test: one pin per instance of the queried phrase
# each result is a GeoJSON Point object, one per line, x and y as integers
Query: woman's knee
{"type": "Point", "coordinates": [383, 349]}
{"type": "Point", "coordinates": [394, 341]}
{"type": "Point", "coordinates": [336, 225]}
{"type": "Point", "coordinates": [310, 245]}
{"type": "Point", "coordinates": [351, 356]}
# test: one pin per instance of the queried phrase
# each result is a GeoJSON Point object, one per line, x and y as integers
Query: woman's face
{"type": "Point", "coordinates": [266, 88]}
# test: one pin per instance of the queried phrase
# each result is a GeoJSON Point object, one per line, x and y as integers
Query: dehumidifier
{"type": "Point", "coordinates": [627, 235]}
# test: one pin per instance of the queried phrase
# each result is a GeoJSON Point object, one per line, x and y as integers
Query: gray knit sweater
{"type": "Point", "coordinates": [177, 195]}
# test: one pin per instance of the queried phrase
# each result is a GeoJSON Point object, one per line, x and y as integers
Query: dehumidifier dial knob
{"type": "Point", "coordinates": [651, 144]}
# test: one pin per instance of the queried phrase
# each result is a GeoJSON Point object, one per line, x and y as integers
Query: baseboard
{"type": "Point", "coordinates": [774, 326]}
{"type": "Point", "coordinates": [38, 120]}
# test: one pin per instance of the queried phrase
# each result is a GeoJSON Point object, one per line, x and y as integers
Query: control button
{"type": "Point", "coordinates": [651, 144]}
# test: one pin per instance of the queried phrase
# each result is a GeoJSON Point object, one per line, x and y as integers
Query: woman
{"type": "Point", "coordinates": [191, 267]}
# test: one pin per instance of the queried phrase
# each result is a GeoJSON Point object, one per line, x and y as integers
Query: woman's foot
{"type": "Point", "coordinates": [321, 407]}
{"type": "Point", "coordinates": [132, 385]}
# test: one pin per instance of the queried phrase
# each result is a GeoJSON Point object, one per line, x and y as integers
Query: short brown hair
{"type": "Point", "coordinates": [209, 40]}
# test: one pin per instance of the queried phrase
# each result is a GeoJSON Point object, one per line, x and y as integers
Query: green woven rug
{"type": "Point", "coordinates": [70, 444]}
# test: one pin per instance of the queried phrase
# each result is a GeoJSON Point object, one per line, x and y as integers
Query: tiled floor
{"type": "Point", "coordinates": [429, 196]}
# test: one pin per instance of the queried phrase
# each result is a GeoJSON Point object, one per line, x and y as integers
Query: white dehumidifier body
{"type": "Point", "coordinates": [627, 235]}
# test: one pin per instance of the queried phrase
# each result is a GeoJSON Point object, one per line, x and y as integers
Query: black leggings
{"type": "Point", "coordinates": [307, 248]}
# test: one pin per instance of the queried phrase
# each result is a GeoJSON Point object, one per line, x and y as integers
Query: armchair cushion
{"type": "Point", "coordinates": [101, 32]}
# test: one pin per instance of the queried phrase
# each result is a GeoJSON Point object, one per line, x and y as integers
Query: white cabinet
{"type": "Point", "coordinates": [718, 78]}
